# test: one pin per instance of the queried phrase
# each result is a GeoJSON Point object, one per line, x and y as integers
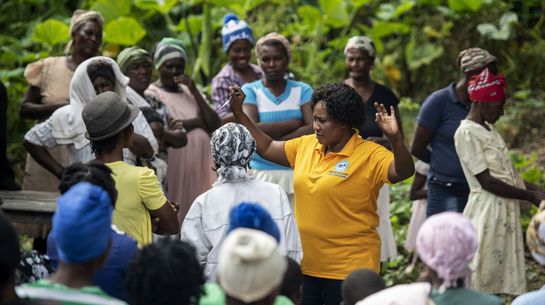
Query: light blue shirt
{"type": "Point", "coordinates": [272, 109]}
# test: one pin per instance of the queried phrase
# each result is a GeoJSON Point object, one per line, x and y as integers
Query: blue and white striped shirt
{"type": "Point", "coordinates": [271, 108]}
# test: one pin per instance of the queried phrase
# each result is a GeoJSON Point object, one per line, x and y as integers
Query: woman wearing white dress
{"type": "Point", "coordinates": [497, 191]}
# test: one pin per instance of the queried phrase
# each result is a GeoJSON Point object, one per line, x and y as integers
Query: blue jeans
{"type": "Point", "coordinates": [446, 196]}
{"type": "Point", "coordinates": [321, 291]}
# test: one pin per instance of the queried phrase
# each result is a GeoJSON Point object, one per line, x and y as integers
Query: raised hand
{"type": "Point", "coordinates": [185, 80]}
{"type": "Point", "coordinates": [236, 98]}
{"type": "Point", "coordinates": [174, 124]}
{"type": "Point", "coordinates": [387, 123]}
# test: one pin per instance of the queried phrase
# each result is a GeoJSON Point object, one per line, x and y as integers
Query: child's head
{"type": "Point", "coordinates": [108, 120]}
{"type": "Point", "coordinates": [165, 272]}
{"type": "Point", "coordinates": [360, 284]}
{"type": "Point", "coordinates": [93, 172]}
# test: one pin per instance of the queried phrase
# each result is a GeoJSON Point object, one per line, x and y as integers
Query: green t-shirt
{"type": "Point", "coordinates": [214, 295]}
{"type": "Point", "coordinates": [462, 296]}
{"type": "Point", "coordinates": [45, 290]}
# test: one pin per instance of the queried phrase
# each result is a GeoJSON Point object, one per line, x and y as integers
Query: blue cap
{"type": "Point", "coordinates": [81, 224]}
{"type": "Point", "coordinates": [253, 216]}
{"type": "Point", "coordinates": [234, 29]}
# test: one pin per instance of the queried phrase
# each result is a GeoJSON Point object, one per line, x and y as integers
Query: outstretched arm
{"type": "Point", "coordinates": [403, 165]}
{"type": "Point", "coordinates": [266, 147]}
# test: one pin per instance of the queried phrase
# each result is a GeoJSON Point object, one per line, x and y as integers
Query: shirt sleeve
{"type": "Point", "coordinates": [33, 73]}
{"type": "Point", "coordinates": [306, 94]}
{"type": "Point", "coordinates": [142, 128]}
{"type": "Point", "coordinates": [150, 190]}
{"type": "Point", "coordinates": [193, 231]}
{"type": "Point", "coordinates": [430, 113]}
{"type": "Point", "coordinates": [290, 148]}
{"type": "Point", "coordinates": [41, 134]}
{"type": "Point", "coordinates": [470, 151]}
{"type": "Point", "coordinates": [294, 249]}
{"type": "Point", "coordinates": [251, 98]}
{"type": "Point", "coordinates": [382, 158]}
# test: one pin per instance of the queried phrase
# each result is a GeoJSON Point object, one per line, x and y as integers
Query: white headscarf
{"type": "Point", "coordinates": [67, 124]}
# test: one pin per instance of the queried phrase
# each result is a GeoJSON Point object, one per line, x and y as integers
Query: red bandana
{"type": "Point", "coordinates": [486, 87]}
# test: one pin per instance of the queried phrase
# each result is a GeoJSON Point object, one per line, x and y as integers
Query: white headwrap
{"type": "Point", "coordinates": [362, 43]}
{"type": "Point", "coordinates": [250, 266]}
{"type": "Point", "coordinates": [67, 124]}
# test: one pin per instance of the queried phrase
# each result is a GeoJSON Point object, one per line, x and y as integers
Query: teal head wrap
{"type": "Point", "coordinates": [131, 56]}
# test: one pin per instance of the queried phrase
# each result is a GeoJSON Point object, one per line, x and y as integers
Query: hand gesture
{"type": "Point", "coordinates": [174, 124]}
{"type": "Point", "coordinates": [185, 80]}
{"type": "Point", "coordinates": [236, 98]}
{"type": "Point", "coordinates": [387, 123]}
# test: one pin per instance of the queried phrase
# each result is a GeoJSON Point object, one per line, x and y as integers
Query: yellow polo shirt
{"type": "Point", "coordinates": [138, 192]}
{"type": "Point", "coordinates": [336, 204]}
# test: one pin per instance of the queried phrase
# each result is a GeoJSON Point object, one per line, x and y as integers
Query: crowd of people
{"type": "Point", "coordinates": [271, 193]}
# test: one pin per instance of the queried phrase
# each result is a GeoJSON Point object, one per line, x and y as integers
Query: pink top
{"type": "Point", "coordinates": [189, 168]}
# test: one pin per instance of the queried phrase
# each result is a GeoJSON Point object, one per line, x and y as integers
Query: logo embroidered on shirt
{"type": "Point", "coordinates": [339, 169]}
{"type": "Point", "coordinates": [341, 166]}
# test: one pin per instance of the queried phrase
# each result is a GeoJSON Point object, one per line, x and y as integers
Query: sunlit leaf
{"type": "Point", "coordinates": [311, 16]}
{"type": "Point", "coordinates": [403, 8]}
{"type": "Point", "coordinates": [162, 6]}
{"type": "Point", "coordinates": [335, 12]}
{"type": "Point", "coordinates": [419, 53]}
{"type": "Point", "coordinates": [51, 32]}
{"type": "Point", "coordinates": [111, 10]}
{"type": "Point", "coordinates": [124, 31]}
{"type": "Point", "coordinates": [192, 25]}
{"type": "Point", "coordinates": [358, 3]}
{"type": "Point", "coordinates": [382, 28]}
{"type": "Point", "coordinates": [465, 5]}
{"type": "Point", "coordinates": [388, 11]}
{"type": "Point", "coordinates": [503, 32]}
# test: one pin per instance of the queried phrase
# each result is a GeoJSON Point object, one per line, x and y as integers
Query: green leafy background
{"type": "Point", "coordinates": [417, 42]}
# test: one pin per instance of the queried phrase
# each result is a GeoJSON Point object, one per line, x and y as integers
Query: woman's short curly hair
{"type": "Point", "coordinates": [166, 272]}
{"type": "Point", "coordinates": [342, 103]}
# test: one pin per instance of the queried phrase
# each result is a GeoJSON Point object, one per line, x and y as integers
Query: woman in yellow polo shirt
{"type": "Point", "coordinates": [337, 177]}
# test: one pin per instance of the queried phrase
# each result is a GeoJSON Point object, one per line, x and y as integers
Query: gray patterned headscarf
{"type": "Point", "coordinates": [232, 149]}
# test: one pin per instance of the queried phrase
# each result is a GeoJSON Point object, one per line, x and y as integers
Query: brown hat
{"type": "Point", "coordinates": [107, 115]}
{"type": "Point", "coordinates": [474, 59]}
